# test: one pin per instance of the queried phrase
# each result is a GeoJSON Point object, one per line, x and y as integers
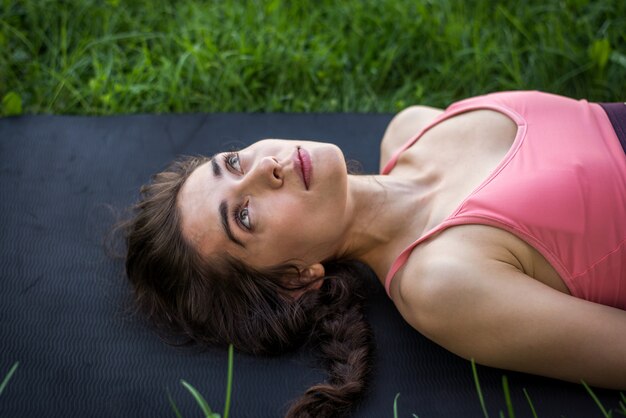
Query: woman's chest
{"type": "Point", "coordinates": [459, 154]}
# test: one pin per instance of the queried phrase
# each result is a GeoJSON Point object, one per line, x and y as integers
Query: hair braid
{"type": "Point", "coordinates": [345, 345]}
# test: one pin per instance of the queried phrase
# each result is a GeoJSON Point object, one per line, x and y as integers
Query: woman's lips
{"type": "Point", "coordinates": [302, 160]}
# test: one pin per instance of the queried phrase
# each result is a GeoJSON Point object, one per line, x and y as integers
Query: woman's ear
{"type": "Point", "coordinates": [312, 273]}
{"type": "Point", "coordinates": [311, 276]}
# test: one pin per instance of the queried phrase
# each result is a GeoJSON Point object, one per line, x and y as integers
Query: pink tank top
{"type": "Point", "coordinates": [561, 188]}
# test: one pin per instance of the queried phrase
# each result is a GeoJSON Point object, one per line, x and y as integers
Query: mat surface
{"type": "Point", "coordinates": [61, 305]}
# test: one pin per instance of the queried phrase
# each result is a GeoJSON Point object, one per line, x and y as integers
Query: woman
{"type": "Point", "coordinates": [498, 228]}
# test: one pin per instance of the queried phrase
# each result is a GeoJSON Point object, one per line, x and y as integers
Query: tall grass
{"type": "Point", "coordinates": [102, 57]}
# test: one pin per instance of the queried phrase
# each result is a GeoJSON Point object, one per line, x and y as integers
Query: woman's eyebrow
{"type": "Point", "coordinates": [223, 209]}
{"type": "Point", "coordinates": [217, 170]}
{"type": "Point", "coordinates": [226, 226]}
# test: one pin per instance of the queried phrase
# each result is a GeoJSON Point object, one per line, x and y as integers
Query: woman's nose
{"type": "Point", "coordinates": [267, 172]}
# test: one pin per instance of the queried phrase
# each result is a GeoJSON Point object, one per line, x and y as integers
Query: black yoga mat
{"type": "Point", "coordinates": [62, 311]}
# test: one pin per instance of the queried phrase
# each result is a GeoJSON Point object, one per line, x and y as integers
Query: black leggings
{"type": "Point", "coordinates": [617, 116]}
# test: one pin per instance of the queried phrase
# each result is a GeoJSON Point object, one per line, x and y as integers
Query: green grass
{"type": "Point", "coordinates": [104, 57]}
{"type": "Point", "coordinates": [8, 376]}
{"type": "Point", "coordinates": [202, 403]}
{"type": "Point", "coordinates": [621, 411]}
{"type": "Point", "coordinates": [208, 413]}
{"type": "Point", "coordinates": [511, 410]}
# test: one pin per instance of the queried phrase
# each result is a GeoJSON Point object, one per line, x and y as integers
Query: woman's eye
{"type": "Point", "coordinates": [233, 161]}
{"type": "Point", "coordinates": [244, 218]}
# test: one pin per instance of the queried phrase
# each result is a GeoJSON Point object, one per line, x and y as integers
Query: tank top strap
{"type": "Point", "coordinates": [401, 260]}
{"type": "Point", "coordinates": [489, 101]}
{"type": "Point", "coordinates": [396, 155]}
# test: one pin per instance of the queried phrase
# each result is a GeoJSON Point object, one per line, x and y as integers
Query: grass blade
{"type": "Point", "coordinates": [229, 383]}
{"type": "Point", "coordinates": [530, 403]}
{"type": "Point", "coordinates": [480, 393]}
{"type": "Point", "coordinates": [173, 405]}
{"type": "Point", "coordinates": [622, 404]}
{"type": "Point", "coordinates": [595, 398]}
{"type": "Point", "coordinates": [507, 397]}
{"type": "Point", "coordinates": [395, 405]}
{"type": "Point", "coordinates": [199, 399]}
{"type": "Point", "coordinates": [8, 376]}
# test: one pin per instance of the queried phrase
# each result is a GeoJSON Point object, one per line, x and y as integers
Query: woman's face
{"type": "Point", "coordinates": [272, 202]}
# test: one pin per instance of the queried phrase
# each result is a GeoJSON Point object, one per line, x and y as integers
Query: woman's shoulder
{"type": "Point", "coordinates": [404, 126]}
{"type": "Point", "coordinates": [442, 263]}
{"type": "Point", "coordinates": [481, 307]}
{"type": "Point", "coordinates": [457, 272]}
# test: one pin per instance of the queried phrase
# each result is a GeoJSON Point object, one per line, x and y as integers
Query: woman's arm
{"type": "Point", "coordinates": [490, 311]}
{"type": "Point", "coordinates": [402, 127]}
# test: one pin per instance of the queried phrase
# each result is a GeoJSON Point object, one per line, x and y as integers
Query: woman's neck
{"type": "Point", "coordinates": [386, 214]}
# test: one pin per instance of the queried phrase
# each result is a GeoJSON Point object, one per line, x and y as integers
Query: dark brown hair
{"type": "Point", "coordinates": [222, 301]}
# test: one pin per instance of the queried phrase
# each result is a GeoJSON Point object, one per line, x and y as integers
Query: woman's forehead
{"type": "Point", "coordinates": [194, 202]}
